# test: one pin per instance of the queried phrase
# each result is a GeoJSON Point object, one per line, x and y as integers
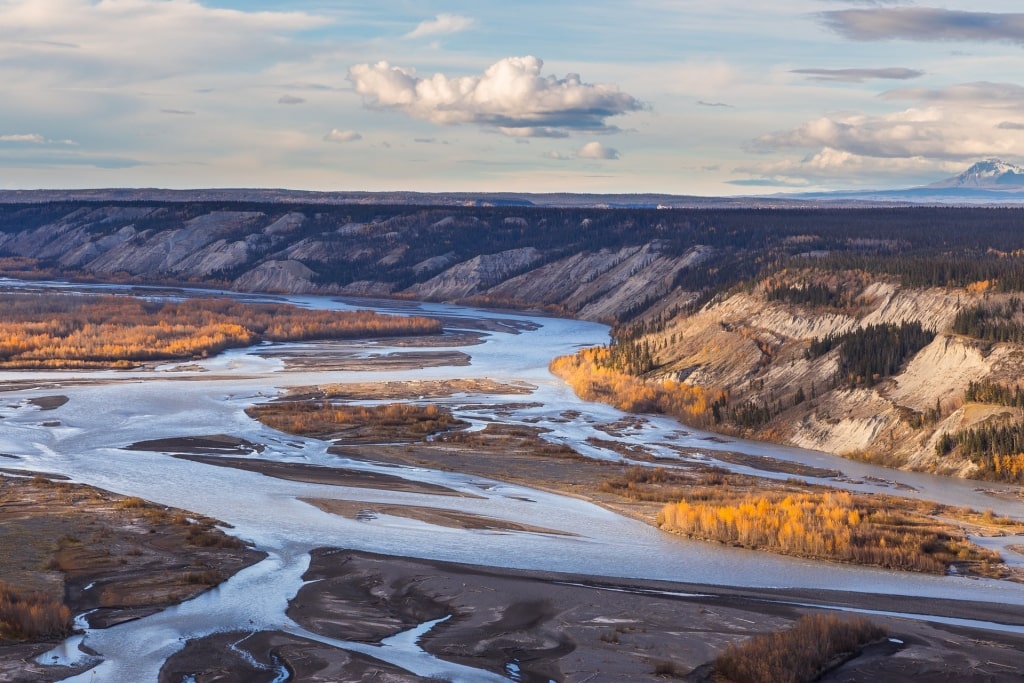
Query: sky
{"type": "Point", "coordinates": [698, 97]}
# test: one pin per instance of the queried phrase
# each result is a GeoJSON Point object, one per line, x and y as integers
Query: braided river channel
{"type": "Point", "coordinates": [86, 438]}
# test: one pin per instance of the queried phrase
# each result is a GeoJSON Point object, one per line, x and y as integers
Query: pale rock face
{"type": "Point", "coordinates": [289, 277]}
{"type": "Point", "coordinates": [754, 348]}
{"type": "Point", "coordinates": [476, 275]}
{"type": "Point", "coordinates": [154, 252]}
{"type": "Point", "coordinates": [218, 257]}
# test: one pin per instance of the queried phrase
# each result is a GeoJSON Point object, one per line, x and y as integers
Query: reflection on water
{"type": "Point", "coordinates": [206, 397]}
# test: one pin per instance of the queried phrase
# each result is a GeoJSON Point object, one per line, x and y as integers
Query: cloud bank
{"type": "Point", "coordinates": [859, 75]}
{"type": "Point", "coordinates": [925, 24]}
{"type": "Point", "coordinates": [511, 97]}
{"type": "Point", "coordinates": [958, 122]}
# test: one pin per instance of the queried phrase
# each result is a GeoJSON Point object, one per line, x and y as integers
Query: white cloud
{"type": "Point", "coordinates": [935, 132]}
{"type": "Point", "coordinates": [595, 150]}
{"type": "Point", "coordinates": [440, 25]}
{"type": "Point", "coordinates": [290, 99]}
{"type": "Point", "coordinates": [590, 150]}
{"type": "Point", "coordinates": [511, 97]}
{"type": "Point", "coordinates": [127, 40]}
{"type": "Point", "coordinates": [342, 136]}
{"type": "Point", "coordinates": [832, 165]}
{"type": "Point", "coordinates": [33, 138]}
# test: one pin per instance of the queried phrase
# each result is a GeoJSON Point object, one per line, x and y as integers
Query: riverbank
{"type": "Point", "coordinates": [543, 626]}
{"type": "Point", "coordinates": [111, 558]}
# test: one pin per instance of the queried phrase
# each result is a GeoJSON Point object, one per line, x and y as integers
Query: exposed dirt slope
{"type": "Point", "coordinates": [756, 349]}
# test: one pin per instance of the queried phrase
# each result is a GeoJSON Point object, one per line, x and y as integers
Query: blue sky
{"type": "Point", "coordinates": [710, 97]}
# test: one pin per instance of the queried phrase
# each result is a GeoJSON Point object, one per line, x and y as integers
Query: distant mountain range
{"type": "Point", "coordinates": [989, 182]}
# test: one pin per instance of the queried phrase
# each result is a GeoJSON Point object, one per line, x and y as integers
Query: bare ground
{"type": "Point", "coordinates": [583, 629]}
{"type": "Point", "coordinates": [94, 550]}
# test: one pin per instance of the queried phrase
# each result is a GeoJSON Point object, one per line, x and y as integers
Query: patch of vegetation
{"type": "Point", "coordinates": [993, 323]}
{"type": "Point", "coordinates": [871, 353]}
{"type": "Point", "coordinates": [799, 655]}
{"type": "Point", "coordinates": [830, 525]}
{"type": "Point", "coordinates": [72, 331]}
{"type": "Point", "coordinates": [593, 377]}
{"type": "Point", "coordinates": [996, 448]}
{"type": "Point", "coordinates": [808, 294]}
{"type": "Point", "coordinates": [32, 616]}
{"type": "Point", "coordinates": [995, 393]}
{"type": "Point", "coordinates": [324, 419]}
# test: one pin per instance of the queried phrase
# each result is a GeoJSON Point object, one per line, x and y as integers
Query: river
{"type": "Point", "coordinates": [109, 410]}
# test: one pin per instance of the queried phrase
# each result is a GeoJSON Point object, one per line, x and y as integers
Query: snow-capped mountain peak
{"type": "Point", "coordinates": [991, 173]}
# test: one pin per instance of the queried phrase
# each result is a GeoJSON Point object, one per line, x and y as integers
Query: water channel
{"type": "Point", "coordinates": [85, 439]}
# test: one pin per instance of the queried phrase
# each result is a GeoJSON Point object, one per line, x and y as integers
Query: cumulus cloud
{"type": "Point", "coordinates": [948, 126]}
{"type": "Point", "coordinates": [595, 150]}
{"type": "Point", "coordinates": [859, 75]}
{"type": "Point", "coordinates": [511, 97]}
{"type": "Point", "coordinates": [925, 24]}
{"type": "Point", "coordinates": [290, 99]}
{"type": "Point", "coordinates": [342, 136]}
{"type": "Point", "coordinates": [440, 25]}
{"type": "Point", "coordinates": [932, 132]}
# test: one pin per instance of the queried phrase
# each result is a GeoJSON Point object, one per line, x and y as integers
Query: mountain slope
{"type": "Point", "coordinates": [991, 174]}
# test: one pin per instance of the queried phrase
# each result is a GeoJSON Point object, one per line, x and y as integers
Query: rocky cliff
{"type": "Point", "coordinates": [758, 351]}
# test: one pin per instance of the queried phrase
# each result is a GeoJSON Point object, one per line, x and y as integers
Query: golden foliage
{"type": "Point", "coordinates": [1008, 467]}
{"type": "Point", "coordinates": [72, 331]}
{"type": "Point", "coordinates": [831, 525]}
{"type": "Point", "coordinates": [31, 616]}
{"type": "Point", "coordinates": [798, 655]}
{"type": "Point", "coordinates": [979, 287]}
{"type": "Point", "coordinates": [591, 377]}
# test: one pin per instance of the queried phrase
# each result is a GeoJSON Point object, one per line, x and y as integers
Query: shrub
{"type": "Point", "coordinates": [31, 616]}
{"type": "Point", "coordinates": [798, 655]}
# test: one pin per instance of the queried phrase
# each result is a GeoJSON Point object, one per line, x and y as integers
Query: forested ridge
{"type": "Point", "coordinates": [804, 325]}
{"type": "Point", "coordinates": [395, 244]}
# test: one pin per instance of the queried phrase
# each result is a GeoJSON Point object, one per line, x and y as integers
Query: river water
{"type": "Point", "coordinates": [85, 439]}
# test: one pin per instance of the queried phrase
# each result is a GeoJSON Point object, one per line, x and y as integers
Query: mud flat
{"type": "Point", "coordinates": [112, 557]}
{"type": "Point", "coordinates": [331, 476]}
{"type": "Point", "coordinates": [453, 519]}
{"type": "Point", "coordinates": [328, 359]}
{"type": "Point", "coordinates": [539, 626]}
{"type": "Point", "coordinates": [412, 389]}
